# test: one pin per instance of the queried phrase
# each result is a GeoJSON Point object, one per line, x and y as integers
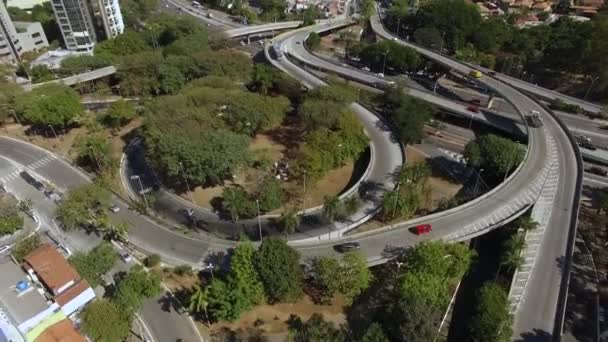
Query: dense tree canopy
{"type": "Point", "coordinates": [84, 206]}
{"type": "Point", "coordinates": [53, 104]}
{"type": "Point", "coordinates": [136, 286]}
{"type": "Point", "coordinates": [239, 290]}
{"type": "Point", "coordinates": [397, 56]}
{"type": "Point", "coordinates": [10, 218]}
{"type": "Point", "coordinates": [94, 263]}
{"type": "Point", "coordinates": [492, 320]}
{"type": "Point", "coordinates": [316, 329]}
{"type": "Point", "coordinates": [496, 155]}
{"type": "Point", "coordinates": [102, 321]}
{"type": "Point", "coordinates": [278, 266]}
{"type": "Point", "coordinates": [348, 276]}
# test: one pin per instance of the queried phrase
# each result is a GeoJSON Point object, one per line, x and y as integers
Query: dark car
{"type": "Point", "coordinates": [598, 171]}
{"type": "Point", "coordinates": [347, 247]}
{"type": "Point", "coordinates": [31, 180]}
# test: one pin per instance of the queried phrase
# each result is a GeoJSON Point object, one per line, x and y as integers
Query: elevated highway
{"type": "Point", "coordinates": [541, 303]}
{"type": "Point", "coordinates": [502, 204]}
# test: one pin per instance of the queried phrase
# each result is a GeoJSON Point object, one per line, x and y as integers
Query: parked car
{"type": "Point", "coordinates": [347, 247]}
{"type": "Point", "coordinates": [598, 171]}
{"type": "Point", "coordinates": [422, 229]}
{"type": "Point", "coordinates": [365, 69]}
{"type": "Point", "coordinates": [4, 248]}
{"type": "Point", "coordinates": [55, 196]}
{"type": "Point", "coordinates": [114, 208]}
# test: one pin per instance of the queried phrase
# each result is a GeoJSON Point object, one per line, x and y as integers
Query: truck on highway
{"type": "Point", "coordinates": [533, 119]}
{"type": "Point", "coordinates": [277, 51]}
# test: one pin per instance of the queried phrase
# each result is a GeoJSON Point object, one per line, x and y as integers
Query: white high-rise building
{"type": "Point", "coordinates": [111, 17]}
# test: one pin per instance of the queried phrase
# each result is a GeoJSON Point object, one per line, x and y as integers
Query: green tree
{"type": "Point", "coordinates": [116, 232]}
{"type": "Point", "coordinates": [128, 43]}
{"type": "Point", "coordinates": [289, 220]}
{"type": "Point", "coordinates": [242, 285]}
{"type": "Point", "coordinates": [137, 285]}
{"type": "Point", "coordinates": [410, 318]}
{"type": "Point", "coordinates": [400, 57]}
{"type": "Point", "coordinates": [199, 300]}
{"type": "Point", "coordinates": [152, 260]}
{"type": "Point", "coordinates": [374, 333]}
{"type": "Point", "coordinates": [354, 275]}
{"type": "Point", "coordinates": [102, 321]}
{"type": "Point", "coordinates": [41, 73]}
{"type": "Point", "coordinates": [264, 78]}
{"type": "Point", "coordinates": [333, 209]}
{"type": "Point", "coordinates": [313, 41]}
{"type": "Point", "coordinates": [52, 104]}
{"type": "Point", "coordinates": [95, 263]}
{"type": "Point", "coordinates": [10, 218]}
{"type": "Point", "coordinates": [84, 206]}
{"type": "Point", "coordinates": [410, 117]}
{"type": "Point", "coordinates": [492, 320]}
{"type": "Point", "coordinates": [278, 266]}
{"type": "Point", "coordinates": [496, 155]}
{"type": "Point", "coordinates": [349, 276]}
{"type": "Point", "coordinates": [118, 114]}
{"type": "Point", "coordinates": [429, 37]}
{"type": "Point", "coordinates": [270, 195]}
{"type": "Point", "coordinates": [25, 247]}
{"type": "Point", "coordinates": [236, 201]}
{"type": "Point", "coordinates": [94, 151]}
{"type": "Point", "coordinates": [8, 93]}
{"type": "Point", "coordinates": [316, 329]}
{"type": "Point", "coordinates": [82, 63]}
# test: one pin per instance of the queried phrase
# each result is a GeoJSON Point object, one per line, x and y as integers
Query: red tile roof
{"type": "Point", "coordinates": [62, 331]}
{"type": "Point", "coordinates": [71, 293]}
{"type": "Point", "coordinates": [51, 267]}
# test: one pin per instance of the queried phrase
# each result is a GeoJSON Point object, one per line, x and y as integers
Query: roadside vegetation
{"type": "Point", "coordinates": [494, 156]}
{"type": "Point", "coordinates": [403, 301]}
{"type": "Point", "coordinates": [10, 216]}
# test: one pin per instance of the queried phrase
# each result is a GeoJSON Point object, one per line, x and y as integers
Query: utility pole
{"type": "Point", "coordinates": [53, 130]}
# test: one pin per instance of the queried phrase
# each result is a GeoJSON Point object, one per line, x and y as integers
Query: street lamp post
{"type": "Point", "coordinates": [210, 268]}
{"type": "Point", "coordinates": [339, 155]}
{"type": "Point", "coordinates": [181, 166]}
{"type": "Point", "coordinates": [396, 199]}
{"type": "Point", "coordinates": [384, 63]}
{"type": "Point", "coordinates": [141, 186]}
{"type": "Point", "coordinates": [257, 204]}
{"type": "Point", "coordinates": [53, 130]}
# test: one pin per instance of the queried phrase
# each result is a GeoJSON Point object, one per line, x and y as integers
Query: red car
{"type": "Point", "coordinates": [422, 229]}
{"type": "Point", "coordinates": [473, 109]}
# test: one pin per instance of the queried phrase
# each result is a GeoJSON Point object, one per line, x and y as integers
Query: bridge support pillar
{"type": "Point", "coordinates": [248, 39]}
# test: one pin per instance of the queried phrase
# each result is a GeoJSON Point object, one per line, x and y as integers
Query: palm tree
{"type": "Point", "coordinates": [527, 223]}
{"type": "Point", "coordinates": [289, 220]}
{"type": "Point", "coordinates": [332, 208]}
{"type": "Point", "coordinates": [26, 205]}
{"type": "Point", "coordinates": [120, 231]}
{"type": "Point", "coordinates": [199, 300]}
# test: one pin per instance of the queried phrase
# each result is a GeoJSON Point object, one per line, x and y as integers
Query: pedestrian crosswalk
{"type": "Point", "coordinates": [30, 167]}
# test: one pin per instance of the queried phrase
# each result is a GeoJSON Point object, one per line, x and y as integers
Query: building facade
{"type": "Point", "coordinates": [31, 35]}
{"type": "Point", "coordinates": [10, 47]}
{"type": "Point", "coordinates": [75, 23]}
{"type": "Point", "coordinates": [111, 17]}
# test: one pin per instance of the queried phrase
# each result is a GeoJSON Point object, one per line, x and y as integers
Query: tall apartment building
{"type": "Point", "coordinates": [111, 17]}
{"type": "Point", "coordinates": [75, 23]}
{"type": "Point", "coordinates": [10, 49]}
{"type": "Point", "coordinates": [83, 21]}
